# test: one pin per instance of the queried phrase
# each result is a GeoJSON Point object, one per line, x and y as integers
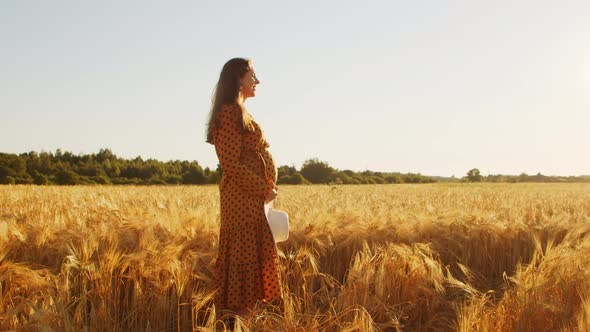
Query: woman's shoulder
{"type": "Point", "coordinates": [228, 106]}
{"type": "Point", "coordinates": [229, 110]}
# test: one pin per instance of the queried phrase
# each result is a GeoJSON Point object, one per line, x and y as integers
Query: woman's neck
{"type": "Point", "coordinates": [241, 99]}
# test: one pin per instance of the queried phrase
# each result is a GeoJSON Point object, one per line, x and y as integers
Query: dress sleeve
{"type": "Point", "coordinates": [228, 145]}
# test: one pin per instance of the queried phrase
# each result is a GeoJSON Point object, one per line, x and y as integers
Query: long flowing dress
{"type": "Point", "coordinates": [246, 267]}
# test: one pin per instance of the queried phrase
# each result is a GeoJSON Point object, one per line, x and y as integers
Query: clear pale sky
{"type": "Point", "coordinates": [436, 87]}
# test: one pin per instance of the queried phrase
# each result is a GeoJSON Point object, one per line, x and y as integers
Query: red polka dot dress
{"type": "Point", "coordinates": [246, 268]}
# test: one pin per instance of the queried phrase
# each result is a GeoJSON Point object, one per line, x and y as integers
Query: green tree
{"type": "Point", "coordinates": [104, 155]}
{"type": "Point", "coordinates": [15, 167]}
{"type": "Point", "coordinates": [5, 173]}
{"type": "Point", "coordinates": [473, 175]}
{"type": "Point", "coordinates": [194, 175]}
{"type": "Point", "coordinates": [316, 171]}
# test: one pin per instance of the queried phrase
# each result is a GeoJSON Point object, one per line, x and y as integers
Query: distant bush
{"type": "Point", "coordinates": [67, 177]}
{"type": "Point", "coordinates": [41, 179]}
{"type": "Point", "coordinates": [297, 178]}
{"type": "Point", "coordinates": [194, 175]}
{"type": "Point", "coordinates": [101, 179]}
{"type": "Point", "coordinates": [316, 171]}
{"type": "Point", "coordinates": [123, 180]}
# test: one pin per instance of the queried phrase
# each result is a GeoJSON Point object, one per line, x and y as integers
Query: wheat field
{"type": "Point", "coordinates": [429, 257]}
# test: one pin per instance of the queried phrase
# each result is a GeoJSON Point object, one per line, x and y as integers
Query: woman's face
{"type": "Point", "coordinates": [248, 84]}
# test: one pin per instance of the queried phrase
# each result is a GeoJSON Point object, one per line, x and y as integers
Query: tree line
{"type": "Point", "coordinates": [104, 167]}
{"type": "Point", "coordinates": [474, 175]}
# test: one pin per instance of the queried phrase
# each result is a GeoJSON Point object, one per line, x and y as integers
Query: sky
{"type": "Point", "coordinates": [431, 87]}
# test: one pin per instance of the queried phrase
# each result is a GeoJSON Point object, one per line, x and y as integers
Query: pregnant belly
{"type": "Point", "coordinates": [254, 162]}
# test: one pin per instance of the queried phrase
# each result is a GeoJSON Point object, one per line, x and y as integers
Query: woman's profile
{"type": "Point", "coordinates": [246, 267]}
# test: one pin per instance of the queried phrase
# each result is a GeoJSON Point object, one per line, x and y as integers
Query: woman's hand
{"type": "Point", "coordinates": [272, 195]}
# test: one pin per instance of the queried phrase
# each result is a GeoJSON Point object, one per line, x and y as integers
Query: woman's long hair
{"type": "Point", "coordinates": [227, 91]}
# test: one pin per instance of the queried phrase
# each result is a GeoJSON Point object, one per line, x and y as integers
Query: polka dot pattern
{"type": "Point", "coordinates": [246, 267]}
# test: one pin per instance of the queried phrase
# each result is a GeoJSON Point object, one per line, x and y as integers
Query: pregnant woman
{"type": "Point", "coordinates": [246, 267]}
